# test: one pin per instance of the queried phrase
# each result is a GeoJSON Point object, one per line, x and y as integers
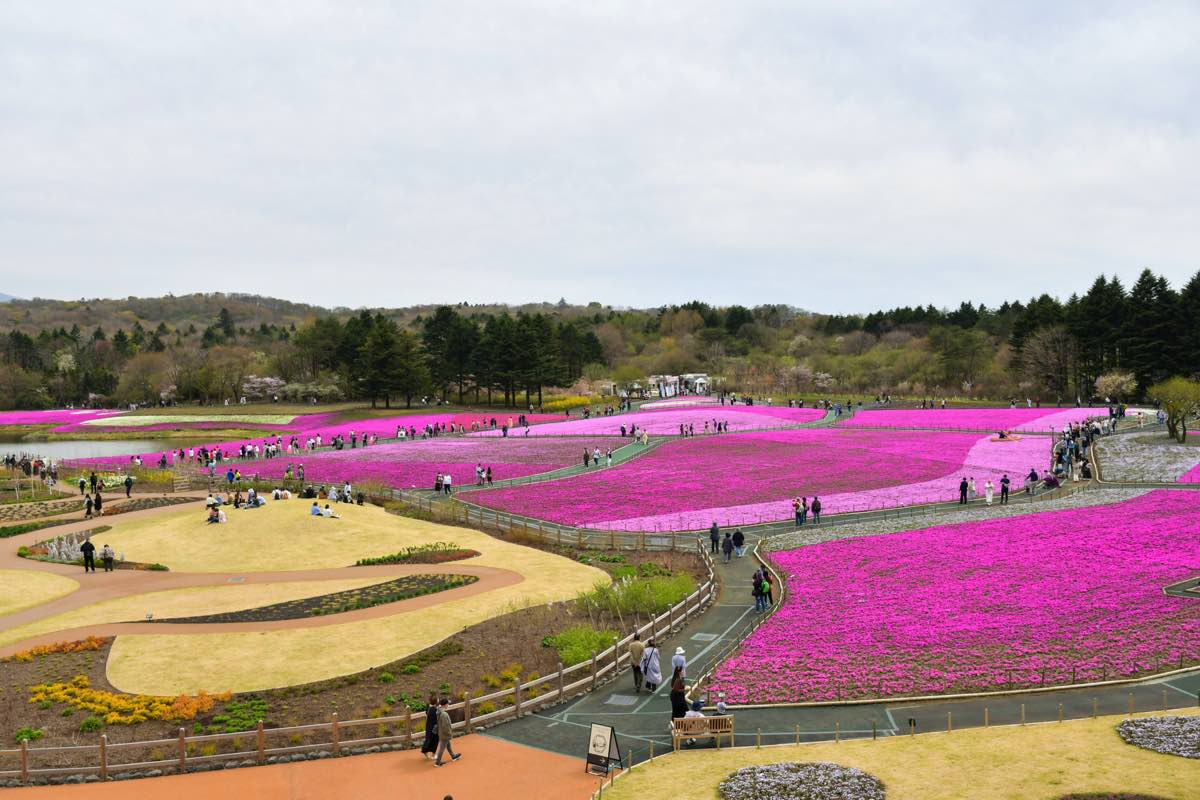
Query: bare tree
{"type": "Point", "coordinates": [1048, 358]}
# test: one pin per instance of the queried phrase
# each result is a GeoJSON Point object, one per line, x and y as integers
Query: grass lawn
{"type": "Point", "coordinates": [281, 537]}
{"type": "Point", "coordinates": [177, 603]}
{"type": "Point", "coordinates": [1036, 762]}
{"type": "Point", "coordinates": [24, 589]}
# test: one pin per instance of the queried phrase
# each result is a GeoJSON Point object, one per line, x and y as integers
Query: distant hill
{"type": "Point", "coordinates": [4, 298]}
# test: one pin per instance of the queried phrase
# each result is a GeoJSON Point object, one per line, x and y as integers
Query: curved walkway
{"type": "Point", "coordinates": [98, 587]}
{"type": "Point", "coordinates": [489, 768]}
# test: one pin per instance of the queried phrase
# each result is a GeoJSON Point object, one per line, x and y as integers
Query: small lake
{"type": "Point", "coordinates": [95, 448]}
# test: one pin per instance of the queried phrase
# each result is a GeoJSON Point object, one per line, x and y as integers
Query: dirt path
{"type": "Point", "coordinates": [490, 768]}
{"type": "Point", "coordinates": [97, 587]}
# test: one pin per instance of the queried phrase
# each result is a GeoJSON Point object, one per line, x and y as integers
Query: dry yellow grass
{"type": "Point", "coordinates": [26, 588]}
{"type": "Point", "coordinates": [181, 603]}
{"type": "Point", "coordinates": [1036, 762]}
{"type": "Point", "coordinates": [282, 536]}
{"type": "Point", "coordinates": [280, 539]}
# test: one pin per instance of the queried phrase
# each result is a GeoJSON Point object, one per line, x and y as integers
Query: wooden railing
{"type": "Point", "coordinates": [337, 737]}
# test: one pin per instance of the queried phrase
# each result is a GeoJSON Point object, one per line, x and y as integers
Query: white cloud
{"type": "Point", "coordinates": [836, 156]}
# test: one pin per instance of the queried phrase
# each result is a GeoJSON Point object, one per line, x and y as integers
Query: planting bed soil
{"type": "Point", "coordinates": [16, 512]}
{"type": "Point", "coordinates": [350, 600]}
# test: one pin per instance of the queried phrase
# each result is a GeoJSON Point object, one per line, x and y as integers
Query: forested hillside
{"type": "Point", "coordinates": [209, 347]}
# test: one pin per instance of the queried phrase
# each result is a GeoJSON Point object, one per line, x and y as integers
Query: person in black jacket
{"type": "Point", "coordinates": [429, 746]}
{"type": "Point", "coordinates": [739, 542]}
{"type": "Point", "coordinates": [962, 492]}
{"type": "Point", "coordinates": [714, 536]}
{"type": "Point", "coordinates": [89, 555]}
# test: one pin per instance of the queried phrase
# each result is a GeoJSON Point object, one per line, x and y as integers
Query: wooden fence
{"type": "Point", "coordinates": [339, 737]}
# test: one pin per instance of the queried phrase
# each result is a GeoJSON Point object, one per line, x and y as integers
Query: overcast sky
{"type": "Point", "coordinates": [837, 156]}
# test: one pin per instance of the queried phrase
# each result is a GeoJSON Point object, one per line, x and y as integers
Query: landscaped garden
{"type": "Point", "coordinates": [665, 421]}
{"type": "Point", "coordinates": [1044, 420]}
{"type": "Point", "coordinates": [1026, 601]}
{"type": "Point", "coordinates": [745, 478]}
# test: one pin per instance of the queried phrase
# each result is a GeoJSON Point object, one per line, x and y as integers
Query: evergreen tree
{"type": "Point", "coordinates": [1148, 344]}
{"type": "Point", "coordinates": [410, 375]}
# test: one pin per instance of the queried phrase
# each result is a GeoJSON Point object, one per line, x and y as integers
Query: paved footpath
{"type": "Point", "coordinates": [489, 768]}
{"type": "Point", "coordinates": [642, 720]}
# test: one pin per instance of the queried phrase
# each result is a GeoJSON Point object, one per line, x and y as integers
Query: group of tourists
{"type": "Point", "coordinates": [801, 508]}
{"type": "Point", "coordinates": [107, 556]}
{"type": "Point", "coordinates": [593, 457]}
{"type": "Point", "coordinates": [966, 489]}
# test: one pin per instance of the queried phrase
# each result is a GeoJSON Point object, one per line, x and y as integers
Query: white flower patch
{"type": "Point", "coordinates": [790, 780]}
{"type": "Point", "coordinates": [1174, 736]}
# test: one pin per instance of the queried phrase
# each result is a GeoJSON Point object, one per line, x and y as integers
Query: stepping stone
{"type": "Point", "coordinates": [703, 637]}
{"type": "Point", "coordinates": [621, 700]}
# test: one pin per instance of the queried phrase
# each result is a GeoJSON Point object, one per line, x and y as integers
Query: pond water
{"type": "Point", "coordinates": [94, 448]}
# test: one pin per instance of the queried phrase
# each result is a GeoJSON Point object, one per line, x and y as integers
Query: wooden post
{"type": "Point", "coordinates": [467, 712]}
{"type": "Point", "coordinates": [517, 697]}
{"type": "Point", "coordinates": [949, 721]}
{"type": "Point", "coordinates": [1164, 707]}
{"type": "Point", "coordinates": [1060, 712]}
{"type": "Point", "coordinates": [651, 749]}
{"type": "Point", "coordinates": [334, 738]}
{"type": "Point", "coordinates": [797, 734]}
{"type": "Point", "coordinates": [986, 721]}
{"type": "Point", "coordinates": [182, 752]}
{"type": "Point", "coordinates": [24, 761]}
{"type": "Point", "coordinates": [837, 732]}
{"type": "Point", "coordinates": [758, 739]}
{"type": "Point", "coordinates": [670, 620]}
{"type": "Point", "coordinates": [1072, 673]}
{"type": "Point", "coordinates": [259, 738]}
{"type": "Point", "coordinates": [1131, 704]}
{"type": "Point", "coordinates": [408, 728]}
{"type": "Point", "coordinates": [593, 670]}
{"type": "Point", "coordinates": [1095, 707]}
{"type": "Point", "coordinates": [104, 756]}
{"type": "Point", "coordinates": [874, 732]}
{"type": "Point", "coordinates": [562, 692]}
{"type": "Point", "coordinates": [1022, 713]}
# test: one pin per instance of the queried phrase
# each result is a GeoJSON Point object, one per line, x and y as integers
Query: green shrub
{"type": "Point", "coordinates": [576, 645]}
{"type": "Point", "coordinates": [387, 677]}
{"type": "Point", "coordinates": [410, 669]}
{"type": "Point", "coordinates": [158, 567]}
{"type": "Point", "coordinates": [91, 725]}
{"type": "Point", "coordinates": [28, 735]}
{"type": "Point", "coordinates": [639, 596]}
{"type": "Point", "coordinates": [241, 715]}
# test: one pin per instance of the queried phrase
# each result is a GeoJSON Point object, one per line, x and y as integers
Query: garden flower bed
{"type": "Point", "coordinates": [745, 478]}
{"type": "Point", "coordinates": [393, 591]}
{"type": "Point", "coordinates": [789, 780]}
{"type": "Point", "coordinates": [61, 416]}
{"type": "Point", "coordinates": [995, 419]}
{"type": "Point", "coordinates": [415, 464]}
{"type": "Point", "coordinates": [680, 402]}
{"type": "Point", "coordinates": [1174, 736]}
{"type": "Point", "coordinates": [666, 422]}
{"type": "Point", "coordinates": [982, 606]}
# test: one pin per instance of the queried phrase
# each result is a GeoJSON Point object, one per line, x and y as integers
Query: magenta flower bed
{"type": "Point", "coordinates": [1012, 419]}
{"type": "Point", "coordinates": [745, 478]}
{"type": "Point", "coordinates": [415, 464]}
{"type": "Point", "coordinates": [666, 422]}
{"type": "Point", "coordinates": [61, 416]}
{"type": "Point", "coordinates": [303, 427]}
{"type": "Point", "coordinates": [956, 608]}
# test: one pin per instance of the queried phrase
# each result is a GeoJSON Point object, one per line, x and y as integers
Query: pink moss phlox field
{"type": "Point", "coordinates": [955, 608]}
{"type": "Point", "coordinates": [1009, 419]}
{"type": "Point", "coordinates": [666, 422]}
{"type": "Point", "coordinates": [415, 464]}
{"type": "Point", "coordinates": [324, 424]}
{"type": "Point", "coordinates": [743, 478]}
{"type": "Point", "coordinates": [62, 416]}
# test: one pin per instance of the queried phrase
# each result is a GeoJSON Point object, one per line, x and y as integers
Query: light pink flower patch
{"type": "Point", "coordinates": [666, 422]}
{"type": "Point", "coordinates": [995, 419]}
{"type": "Point", "coordinates": [739, 479]}
{"type": "Point", "coordinates": [62, 416]}
{"type": "Point", "coordinates": [680, 402]}
{"type": "Point", "coordinates": [971, 607]}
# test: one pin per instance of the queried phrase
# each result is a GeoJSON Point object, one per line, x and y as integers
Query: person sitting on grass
{"type": "Point", "coordinates": [214, 516]}
{"type": "Point", "coordinates": [315, 511]}
{"type": "Point", "coordinates": [221, 515]}
{"type": "Point", "coordinates": [329, 513]}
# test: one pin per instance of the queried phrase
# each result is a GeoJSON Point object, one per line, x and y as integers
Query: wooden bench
{"type": "Point", "coordinates": [701, 728]}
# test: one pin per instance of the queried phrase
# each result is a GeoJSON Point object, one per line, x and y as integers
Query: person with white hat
{"type": "Point", "coordinates": [678, 661]}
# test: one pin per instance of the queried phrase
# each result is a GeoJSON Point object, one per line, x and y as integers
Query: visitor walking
{"type": "Point", "coordinates": [816, 510]}
{"type": "Point", "coordinates": [128, 485]}
{"type": "Point", "coordinates": [429, 746]}
{"type": "Point", "coordinates": [87, 506]}
{"type": "Point", "coordinates": [739, 542]}
{"type": "Point", "coordinates": [679, 660]}
{"type": "Point", "coordinates": [89, 555]}
{"type": "Point", "coordinates": [651, 669]}
{"type": "Point", "coordinates": [988, 490]}
{"type": "Point", "coordinates": [82, 486]}
{"type": "Point", "coordinates": [678, 695]}
{"type": "Point", "coordinates": [637, 649]}
{"type": "Point", "coordinates": [98, 504]}
{"type": "Point", "coordinates": [758, 592]}
{"type": "Point", "coordinates": [971, 489]}
{"type": "Point", "coordinates": [962, 491]}
{"type": "Point", "coordinates": [1004, 482]}
{"type": "Point", "coordinates": [445, 733]}
{"type": "Point", "coordinates": [714, 538]}
{"type": "Point", "coordinates": [727, 547]}
{"type": "Point", "coordinates": [107, 555]}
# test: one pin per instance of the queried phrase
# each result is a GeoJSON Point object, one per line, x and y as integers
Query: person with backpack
{"type": "Point", "coordinates": [727, 547]}
{"type": "Point", "coordinates": [760, 598]}
{"type": "Point", "coordinates": [651, 668]}
{"type": "Point", "coordinates": [816, 510]}
{"type": "Point", "coordinates": [739, 542]}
